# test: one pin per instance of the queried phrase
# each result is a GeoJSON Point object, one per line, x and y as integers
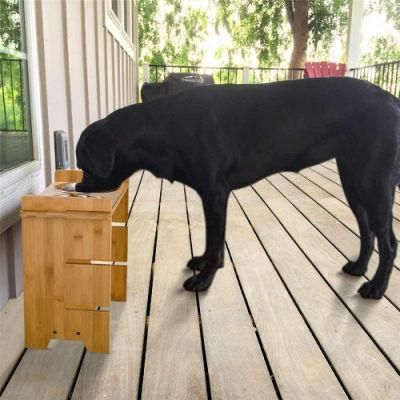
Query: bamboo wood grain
{"type": "Point", "coordinates": [344, 341]}
{"type": "Point", "coordinates": [119, 282]}
{"type": "Point", "coordinates": [68, 175]}
{"type": "Point", "coordinates": [236, 366]}
{"type": "Point", "coordinates": [91, 327]}
{"type": "Point", "coordinates": [121, 212]}
{"type": "Point", "coordinates": [174, 366]}
{"type": "Point", "coordinates": [11, 336]}
{"type": "Point", "coordinates": [119, 252]}
{"type": "Point", "coordinates": [119, 248]}
{"type": "Point", "coordinates": [95, 280]}
{"type": "Point", "coordinates": [344, 239]}
{"type": "Point", "coordinates": [296, 360]}
{"type": "Point", "coordinates": [116, 375]}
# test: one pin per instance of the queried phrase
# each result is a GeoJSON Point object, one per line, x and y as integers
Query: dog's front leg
{"type": "Point", "coordinates": [214, 204]}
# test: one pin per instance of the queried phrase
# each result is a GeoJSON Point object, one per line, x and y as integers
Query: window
{"type": "Point", "coordinates": [119, 22]}
{"type": "Point", "coordinates": [21, 149]}
{"type": "Point", "coordinates": [16, 145]}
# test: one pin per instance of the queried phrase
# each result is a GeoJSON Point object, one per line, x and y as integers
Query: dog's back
{"type": "Point", "coordinates": [262, 129]}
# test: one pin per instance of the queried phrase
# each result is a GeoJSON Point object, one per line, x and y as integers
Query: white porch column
{"type": "Point", "coordinates": [356, 12]}
{"type": "Point", "coordinates": [246, 74]}
{"type": "Point", "coordinates": [146, 73]}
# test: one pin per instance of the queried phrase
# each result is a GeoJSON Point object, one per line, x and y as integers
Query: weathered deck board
{"type": "Point", "coordinates": [286, 264]}
{"type": "Point", "coordinates": [235, 361]}
{"type": "Point", "coordinates": [296, 360]}
{"type": "Point", "coordinates": [331, 181]}
{"type": "Point", "coordinates": [174, 362]}
{"type": "Point", "coordinates": [328, 261]}
{"type": "Point", "coordinates": [337, 191]}
{"type": "Point", "coordinates": [45, 374]}
{"type": "Point", "coordinates": [343, 239]}
{"type": "Point", "coordinates": [39, 369]}
{"type": "Point", "coordinates": [134, 183]}
{"type": "Point", "coordinates": [334, 326]}
{"type": "Point", "coordinates": [11, 336]}
{"type": "Point", "coordinates": [116, 375]}
{"type": "Point", "coordinates": [331, 204]}
{"type": "Point", "coordinates": [331, 165]}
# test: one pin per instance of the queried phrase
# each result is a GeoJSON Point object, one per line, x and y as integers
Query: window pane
{"type": "Point", "coordinates": [125, 15]}
{"type": "Point", "coordinates": [15, 130]}
{"type": "Point", "coordinates": [114, 6]}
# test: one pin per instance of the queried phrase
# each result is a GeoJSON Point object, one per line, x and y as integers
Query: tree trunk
{"type": "Point", "coordinates": [297, 13]}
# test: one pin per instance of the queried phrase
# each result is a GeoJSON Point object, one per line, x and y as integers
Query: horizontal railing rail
{"type": "Point", "coordinates": [386, 75]}
{"type": "Point", "coordinates": [12, 107]}
{"type": "Point", "coordinates": [232, 75]}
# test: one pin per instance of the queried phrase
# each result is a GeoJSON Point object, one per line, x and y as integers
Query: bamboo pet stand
{"type": "Point", "coordinates": [75, 263]}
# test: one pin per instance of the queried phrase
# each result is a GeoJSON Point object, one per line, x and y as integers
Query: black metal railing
{"type": "Point", "coordinates": [231, 75]}
{"type": "Point", "coordinates": [15, 136]}
{"type": "Point", "coordinates": [12, 96]}
{"type": "Point", "coordinates": [386, 75]}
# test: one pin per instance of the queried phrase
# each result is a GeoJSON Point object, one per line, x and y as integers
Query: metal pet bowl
{"type": "Point", "coordinates": [69, 188]}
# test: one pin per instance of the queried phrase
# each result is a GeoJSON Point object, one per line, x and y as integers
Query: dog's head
{"type": "Point", "coordinates": [96, 156]}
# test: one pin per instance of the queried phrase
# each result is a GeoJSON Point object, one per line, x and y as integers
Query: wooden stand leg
{"type": "Point", "coordinates": [91, 327]}
{"type": "Point", "coordinates": [120, 255]}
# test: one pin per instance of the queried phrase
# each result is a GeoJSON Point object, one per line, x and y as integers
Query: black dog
{"type": "Point", "coordinates": [219, 138]}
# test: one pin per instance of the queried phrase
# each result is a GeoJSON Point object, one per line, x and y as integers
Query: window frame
{"type": "Point", "coordinates": [115, 25]}
{"type": "Point", "coordinates": [23, 174]}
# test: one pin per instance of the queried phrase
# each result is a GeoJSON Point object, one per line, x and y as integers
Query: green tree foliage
{"type": "Point", "coordinates": [10, 27]}
{"type": "Point", "coordinates": [391, 8]}
{"type": "Point", "coordinates": [173, 36]}
{"type": "Point", "coordinates": [384, 48]}
{"type": "Point", "coordinates": [262, 25]}
{"type": "Point", "coordinates": [12, 105]}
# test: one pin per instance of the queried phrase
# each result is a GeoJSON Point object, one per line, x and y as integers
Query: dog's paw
{"type": "Point", "coordinates": [354, 268]}
{"type": "Point", "coordinates": [371, 290]}
{"type": "Point", "coordinates": [196, 263]}
{"type": "Point", "coordinates": [198, 283]}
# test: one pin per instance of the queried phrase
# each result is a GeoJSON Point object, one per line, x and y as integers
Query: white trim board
{"type": "Point", "coordinates": [26, 178]}
{"type": "Point", "coordinates": [115, 27]}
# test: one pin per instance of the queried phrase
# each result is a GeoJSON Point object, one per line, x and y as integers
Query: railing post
{"type": "Point", "coordinates": [356, 8]}
{"type": "Point", "coordinates": [246, 74]}
{"type": "Point", "coordinates": [146, 73]}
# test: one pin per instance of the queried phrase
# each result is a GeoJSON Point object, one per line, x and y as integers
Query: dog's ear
{"type": "Point", "coordinates": [97, 153]}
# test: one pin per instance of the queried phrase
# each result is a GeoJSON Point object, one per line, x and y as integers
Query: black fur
{"type": "Point", "coordinates": [219, 138]}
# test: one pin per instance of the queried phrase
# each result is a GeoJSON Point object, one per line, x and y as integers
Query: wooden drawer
{"type": "Point", "coordinates": [87, 286]}
{"type": "Point", "coordinates": [119, 248]}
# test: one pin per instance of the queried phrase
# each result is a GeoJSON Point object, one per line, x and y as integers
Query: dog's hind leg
{"type": "Point", "coordinates": [367, 237]}
{"type": "Point", "coordinates": [379, 209]}
{"type": "Point", "coordinates": [215, 207]}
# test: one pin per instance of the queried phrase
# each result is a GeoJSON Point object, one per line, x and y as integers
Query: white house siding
{"type": "Point", "coordinates": [85, 74]}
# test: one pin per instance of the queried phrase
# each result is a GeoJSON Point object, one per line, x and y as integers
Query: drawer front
{"type": "Point", "coordinates": [87, 239]}
{"type": "Point", "coordinates": [87, 286]}
{"type": "Point", "coordinates": [119, 248]}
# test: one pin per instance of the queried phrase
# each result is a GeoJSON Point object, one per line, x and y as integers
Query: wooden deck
{"type": "Point", "coordinates": [281, 320]}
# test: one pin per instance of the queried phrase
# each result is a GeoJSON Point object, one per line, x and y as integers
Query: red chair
{"type": "Point", "coordinates": [323, 69]}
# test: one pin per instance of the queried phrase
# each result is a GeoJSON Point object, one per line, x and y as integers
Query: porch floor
{"type": "Point", "coordinates": [280, 321]}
